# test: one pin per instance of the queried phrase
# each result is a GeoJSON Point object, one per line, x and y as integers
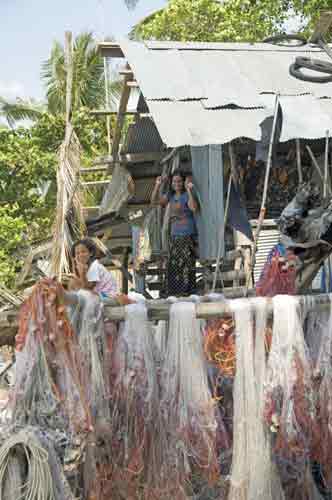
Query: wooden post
{"type": "Point", "coordinates": [125, 260]}
{"type": "Point", "coordinates": [107, 102]}
{"type": "Point", "coordinates": [298, 161]}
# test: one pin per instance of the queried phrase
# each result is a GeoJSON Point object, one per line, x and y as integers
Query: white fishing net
{"type": "Point", "coordinates": [253, 475]}
{"type": "Point", "coordinates": [187, 407]}
{"type": "Point", "coordinates": [290, 399]}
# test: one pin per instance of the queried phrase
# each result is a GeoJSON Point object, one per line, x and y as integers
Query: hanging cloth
{"type": "Point", "coordinates": [207, 168]}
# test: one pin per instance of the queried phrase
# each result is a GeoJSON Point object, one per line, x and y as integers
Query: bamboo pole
{"type": "Point", "coordinates": [159, 310]}
{"type": "Point", "coordinates": [69, 79]}
{"type": "Point", "coordinates": [208, 310]}
{"type": "Point", "coordinates": [327, 270]}
{"type": "Point", "coordinates": [315, 164]}
{"type": "Point", "coordinates": [326, 164]}
{"type": "Point", "coordinates": [298, 161]}
{"type": "Point", "coordinates": [262, 211]}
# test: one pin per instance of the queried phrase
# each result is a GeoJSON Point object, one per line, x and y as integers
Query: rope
{"type": "Point", "coordinates": [39, 484]}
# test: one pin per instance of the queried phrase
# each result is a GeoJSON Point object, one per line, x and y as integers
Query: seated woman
{"type": "Point", "coordinates": [89, 273]}
{"type": "Point", "coordinates": [180, 271]}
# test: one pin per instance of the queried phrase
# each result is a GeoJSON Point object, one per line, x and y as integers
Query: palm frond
{"type": "Point", "coordinates": [88, 75]}
{"type": "Point", "coordinates": [19, 110]}
{"type": "Point", "coordinates": [69, 223]}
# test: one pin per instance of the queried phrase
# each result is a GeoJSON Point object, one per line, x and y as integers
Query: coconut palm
{"type": "Point", "coordinates": [12, 112]}
{"type": "Point", "coordinates": [88, 88]}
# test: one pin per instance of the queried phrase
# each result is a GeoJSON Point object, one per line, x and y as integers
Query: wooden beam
{"type": "Point", "coordinates": [128, 158]}
{"type": "Point", "coordinates": [107, 112]}
{"type": "Point", "coordinates": [93, 170]}
{"type": "Point", "coordinates": [132, 84]}
{"type": "Point", "coordinates": [124, 269]}
{"type": "Point", "coordinates": [125, 94]}
{"type": "Point", "coordinates": [110, 49]}
{"type": "Point", "coordinates": [126, 72]}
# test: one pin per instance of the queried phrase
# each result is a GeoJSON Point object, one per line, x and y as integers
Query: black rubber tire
{"type": "Point", "coordinates": [314, 64]}
{"type": "Point", "coordinates": [279, 39]}
{"type": "Point", "coordinates": [295, 71]}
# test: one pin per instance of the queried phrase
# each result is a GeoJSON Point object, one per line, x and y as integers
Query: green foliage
{"type": "Point", "coordinates": [12, 229]}
{"type": "Point", "coordinates": [227, 21]}
{"type": "Point", "coordinates": [310, 11]}
{"type": "Point", "coordinates": [213, 21]}
{"type": "Point", "coordinates": [28, 162]}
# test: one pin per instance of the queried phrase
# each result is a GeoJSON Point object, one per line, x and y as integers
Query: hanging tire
{"type": "Point", "coordinates": [282, 40]}
{"type": "Point", "coordinates": [296, 71]}
{"type": "Point", "coordinates": [314, 64]}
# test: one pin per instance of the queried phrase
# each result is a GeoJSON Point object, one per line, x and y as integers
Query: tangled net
{"type": "Point", "coordinates": [290, 400]}
{"type": "Point", "coordinates": [49, 387]}
{"type": "Point", "coordinates": [219, 345]}
{"type": "Point", "coordinates": [279, 273]}
{"type": "Point", "coordinates": [134, 437]}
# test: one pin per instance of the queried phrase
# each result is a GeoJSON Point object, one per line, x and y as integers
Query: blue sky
{"type": "Point", "coordinates": [28, 28]}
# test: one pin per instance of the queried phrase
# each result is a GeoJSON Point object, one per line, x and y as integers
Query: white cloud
{"type": "Point", "coordinates": [12, 89]}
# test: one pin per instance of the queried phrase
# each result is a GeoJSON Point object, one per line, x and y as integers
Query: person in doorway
{"type": "Point", "coordinates": [180, 271]}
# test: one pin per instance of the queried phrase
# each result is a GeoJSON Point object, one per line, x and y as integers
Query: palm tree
{"type": "Point", "coordinates": [12, 112]}
{"type": "Point", "coordinates": [88, 76]}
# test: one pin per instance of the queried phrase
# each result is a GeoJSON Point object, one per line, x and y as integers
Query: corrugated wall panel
{"type": "Point", "coordinates": [268, 238]}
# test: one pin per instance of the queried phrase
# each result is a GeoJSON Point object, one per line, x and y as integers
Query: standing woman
{"type": "Point", "coordinates": [180, 271]}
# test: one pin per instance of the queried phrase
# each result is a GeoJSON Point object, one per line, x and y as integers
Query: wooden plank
{"type": "Point", "coordinates": [110, 49]}
{"type": "Point", "coordinates": [96, 183]}
{"type": "Point", "coordinates": [128, 158]}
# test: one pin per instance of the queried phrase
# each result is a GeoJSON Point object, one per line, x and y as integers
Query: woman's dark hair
{"type": "Point", "coordinates": [177, 173]}
{"type": "Point", "coordinates": [89, 244]}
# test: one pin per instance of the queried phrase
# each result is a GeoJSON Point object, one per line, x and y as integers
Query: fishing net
{"type": "Point", "coordinates": [319, 339]}
{"type": "Point", "coordinates": [290, 402]}
{"type": "Point", "coordinates": [87, 320]}
{"type": "Point", "coordinates": [188, 410]}
{"type": "Point", "coordinates": [253, 474]}
{"type": "Point", "coordinates": [134, 438]}
{"type": "Point", "coordinates": [278, 274]}
{"type": "Point", "coordinates": [219, 345]}
{"type": "Point", "coordinates": [49, 388]}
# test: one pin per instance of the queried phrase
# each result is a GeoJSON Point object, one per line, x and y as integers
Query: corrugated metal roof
{"type": "Point", "coordinates": [187, 86]}
{"type": "Point", "coordinates": [143, 191]}
{"type": "Point", "coordinates": [142, 136]}
{"type": "Point", "coordinates": [181, 123]}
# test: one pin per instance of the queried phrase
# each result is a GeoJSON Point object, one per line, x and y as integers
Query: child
{"type": "Point", "coordinates": [89, 273]}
